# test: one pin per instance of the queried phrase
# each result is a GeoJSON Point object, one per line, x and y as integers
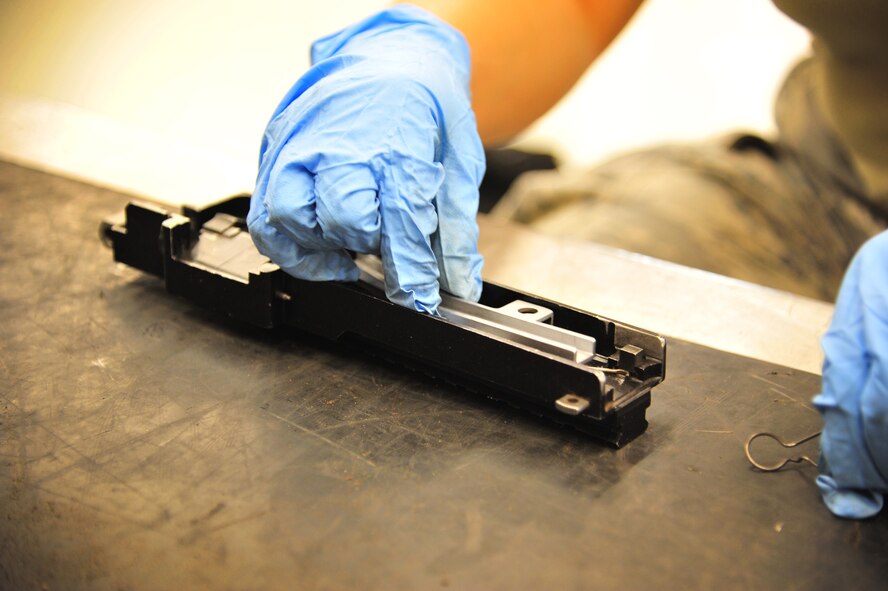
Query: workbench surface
{"type": "Point", "coordinates": [148, 444]}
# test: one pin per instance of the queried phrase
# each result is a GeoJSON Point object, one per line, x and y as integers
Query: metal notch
{"type": "Point", "coordinates": [571, 404]}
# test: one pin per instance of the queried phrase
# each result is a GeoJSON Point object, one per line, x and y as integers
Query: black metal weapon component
{"type": "Point", "coordinates": [555, 361]}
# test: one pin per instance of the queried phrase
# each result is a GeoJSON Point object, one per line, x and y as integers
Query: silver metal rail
{"type": "Point", "coordinates": [519, 322]}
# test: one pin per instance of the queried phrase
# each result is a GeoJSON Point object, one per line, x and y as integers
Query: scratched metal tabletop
{"type": "Point", "coordinates": [148, 444]}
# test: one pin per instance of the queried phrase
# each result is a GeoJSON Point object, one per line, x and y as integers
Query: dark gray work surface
{"type": "Point", "coordinates": [147, 444]}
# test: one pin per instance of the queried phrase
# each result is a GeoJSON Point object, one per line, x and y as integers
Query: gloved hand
{"type": "Point", "coordinates": [375, 150]}
{"type": "Point", "coordinates": [854, 401]}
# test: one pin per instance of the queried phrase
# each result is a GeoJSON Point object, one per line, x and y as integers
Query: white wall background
{"type": "Point", "coordinates": [170, 98]}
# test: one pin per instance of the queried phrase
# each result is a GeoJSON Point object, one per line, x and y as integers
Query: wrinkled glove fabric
{"type": "Point", "coordinates": [375, 150]}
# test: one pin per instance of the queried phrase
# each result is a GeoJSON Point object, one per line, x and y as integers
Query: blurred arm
{"type": "Point", "coordinates": [527, 54]}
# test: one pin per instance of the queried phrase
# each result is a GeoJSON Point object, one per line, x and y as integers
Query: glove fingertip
{"type": "Point", "coordinates": [422, 300]}
{"type": "Point", "coordinates": [324, 265]}
{"type": "Point", "coordinates": [461, 276]}
{"type": "Point", "coordinates": [847, 503]}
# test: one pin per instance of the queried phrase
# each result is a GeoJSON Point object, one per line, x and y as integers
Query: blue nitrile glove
{"type": "Point", "coordinates": [854, 401]}
{"type": "Point", "coordinates": [375, 150]}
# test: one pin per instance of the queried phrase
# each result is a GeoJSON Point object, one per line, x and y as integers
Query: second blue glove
{"type": "Point", "coordinates": [854, 401]}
